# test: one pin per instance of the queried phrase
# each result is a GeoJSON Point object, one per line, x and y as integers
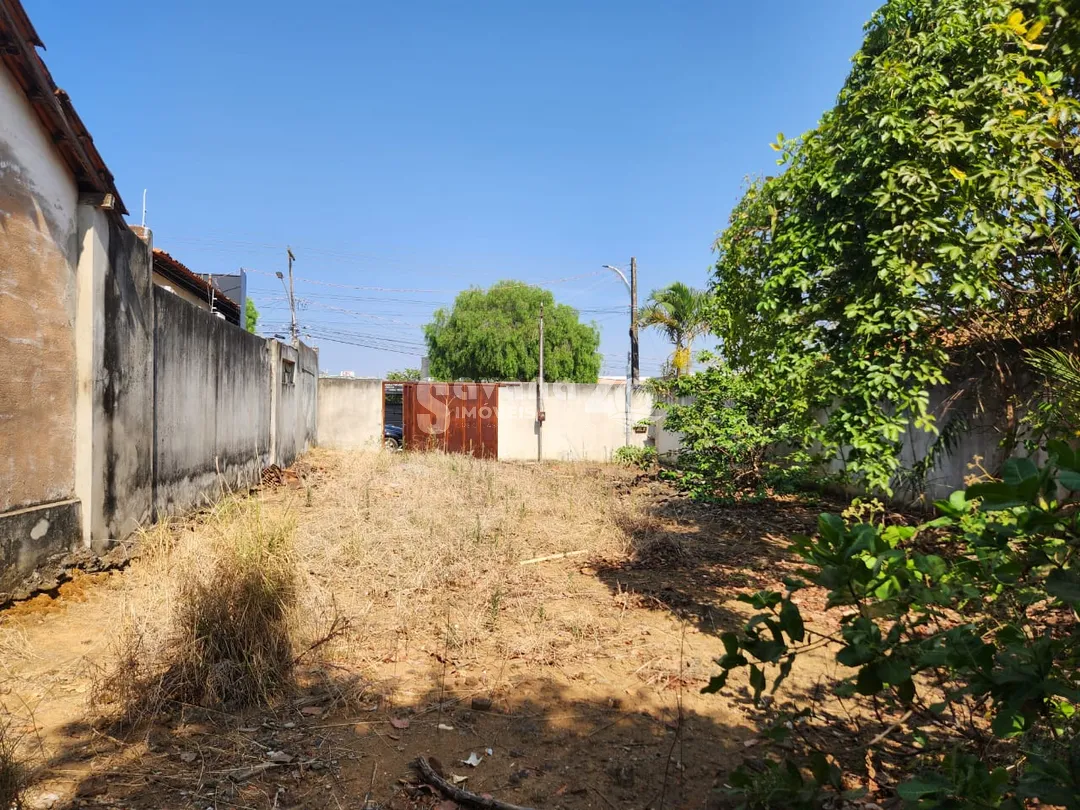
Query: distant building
{"type": "Point", "coordinates": [348, 374]}
{"type": "Point", "coordinates": [233, 285]}
{"type": "Point", "coordinates": [174, 275]}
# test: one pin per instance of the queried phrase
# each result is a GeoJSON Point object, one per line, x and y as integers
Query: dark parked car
{"type": "Point", "coordinates": [392, 437]}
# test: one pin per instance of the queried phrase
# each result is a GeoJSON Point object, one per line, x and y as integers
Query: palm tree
{"type": "Point", "coordinates": [679, 312]}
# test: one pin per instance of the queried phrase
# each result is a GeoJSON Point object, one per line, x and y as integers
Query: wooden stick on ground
{"type": "Point", "coordinates": [457, 794]}
{"type": "Point", "coordinates": [553, 557]}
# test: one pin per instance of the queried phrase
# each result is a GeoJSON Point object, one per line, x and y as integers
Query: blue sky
{"type": "Point", "coordinates": [423, 147]}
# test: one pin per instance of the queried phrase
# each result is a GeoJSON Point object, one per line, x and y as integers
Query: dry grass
{"type": "Point", "coordinates": [13, 776]}
{"type": "Point", "coordinates": [417, 552]}
{"type": "Point", "coordinates": [227, 643]}
{"type": "Point", "coordinates": [428, 549]}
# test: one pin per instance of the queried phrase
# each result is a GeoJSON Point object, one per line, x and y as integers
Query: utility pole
{"type": "Point", "coordinates": [635, 372]}
{"type": "Point", "coordinates": [629, 389]}
{"type": "Point", "coordinates": [292, 302]}
{"type": "Point", "coordinates": [540, 415]}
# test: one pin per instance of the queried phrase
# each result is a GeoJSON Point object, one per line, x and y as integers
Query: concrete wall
{"type": "Point", "coordinates": [211, 403]}
{"type": "Point", "coordinates": [307, 399]}
{"type": "Point", "coordinates": [584, 422]}
{"type": "Point", "coordinates": [124, 423]}
{"type": "Point", "coordinates": [667, 442]}
{"type": "Point", "coordinates": [38, 302]}
{"type": "Point", "coordinates": [295, 387]}
{"type": "Point", "coordinates": [38, 258]}
{"type": "Point", "coordinates": [350, 413]}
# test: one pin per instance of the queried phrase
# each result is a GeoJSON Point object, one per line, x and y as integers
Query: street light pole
{"type": "Point", "coordinates": [632, 355]}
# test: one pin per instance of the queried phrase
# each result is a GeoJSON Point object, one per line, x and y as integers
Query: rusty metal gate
{"type": "Point", "coordinates": [452, 417]}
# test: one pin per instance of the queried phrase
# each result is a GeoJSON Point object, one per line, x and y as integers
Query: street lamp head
{"type": "Point", "coordinates": [279, 275]}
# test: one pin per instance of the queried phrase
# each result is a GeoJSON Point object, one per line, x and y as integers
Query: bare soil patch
{"type": "Point", "coordinates": [575, 681]}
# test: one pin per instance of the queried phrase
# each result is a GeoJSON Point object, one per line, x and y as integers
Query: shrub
{"type": "Point", "coordinates": [228, 643]}
{"type": "Point", "coordinates": [630, 456]}
{"type": "Point", "coordinates": [733, 436]}
{"type": "Point", "coordinates": [231, 630]}
{"type": "Point", "coordinates": [976, 609]}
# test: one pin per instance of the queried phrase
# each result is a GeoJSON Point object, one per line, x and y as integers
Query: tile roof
{"type": "Point", "coordinates": [18, 53]}
{"type": "Point", "coordinates": [176, 271]}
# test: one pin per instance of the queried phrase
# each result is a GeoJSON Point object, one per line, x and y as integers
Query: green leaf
{"type": "Point", "coordinates": [996, 495]}
{"type": "Point", "coordinates": [831, 527]}
{"type": "Point", "coordinates": [1065, 585]}
{"type": "Point", "coordinates": [1070, 479]}
{"type": "Point", "coordinates": [1008, 723]}
{"type": "Point", "coordinates": [1062, 454]}
{"type": "Point", "coordinates": [868, 681]}
{"type": "Point", "coordinates": [930, 784]}
{"type": "Point", "coordinates": [1018, 470]}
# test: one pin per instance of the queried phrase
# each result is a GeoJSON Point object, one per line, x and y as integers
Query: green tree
{"type": "Point", "coordinates": [492, 335]}
{"type": "Point", "coordinates": [251, 316]}
{"type": "Point", "coordinates": [926, 212]}
{"type": "Point", "coordinates": [405, 375]}
{"type": "Point", "coordinates": [679, 312]}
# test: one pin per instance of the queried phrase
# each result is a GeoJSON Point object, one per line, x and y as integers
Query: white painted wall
{"type": "Point", "coordinates": [584, 422]}
{"type": "Point", "coordinates": [350, 413]}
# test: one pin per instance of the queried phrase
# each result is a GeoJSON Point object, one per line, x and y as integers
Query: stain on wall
{"type": "Point", "coordinates": [125, 423]}
{"type": "Point", "coordinates": [38, 253]}
{"type": "Point", "coordinates": [211, 404]}
{"type": "Point", "coordinates": [296, 394]}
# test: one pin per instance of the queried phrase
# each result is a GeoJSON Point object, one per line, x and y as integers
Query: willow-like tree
{"type": "Point", "coordinates": [679, 312]}
{"type": "Point", "coordinates": [925, 213]}
{"type": "Point", "coordinates": [493, 334]}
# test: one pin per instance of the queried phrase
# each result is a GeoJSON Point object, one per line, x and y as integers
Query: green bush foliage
{"type": "Point", "coordinates": [930, 209]}
{"type": "Point", "coordinates": [630, 456]}
{"type": "Point", "coordinates": [733, 435]}
{"type": "Point", "coordinates": [975, 609]}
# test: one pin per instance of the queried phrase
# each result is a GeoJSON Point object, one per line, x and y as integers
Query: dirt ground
{"type": "Point", "coordinates": [575, 681]}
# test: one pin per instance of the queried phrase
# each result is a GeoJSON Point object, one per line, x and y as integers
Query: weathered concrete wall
{"type": "Point", "coordinates": [39, 514]}
{"type": "Point", "coordinates": [283, 410]}
{"type": "Point", "coordinates": [307, 398]}
{"type": "Point", "coordinates": [584, 422]}
{"type": "Point", "coordinates": [211, 402]}
{"type": "Point", "coordinates": [29, 537]}
{"type": "Point", "coordinates": [124, 421]}
{"type": "Point", "coordinates": [350, 413]}
{"type": "Point", "coordinates": [38, 257]}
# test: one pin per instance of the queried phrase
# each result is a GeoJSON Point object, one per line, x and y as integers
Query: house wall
{"type": "Point", "coordinates": [38, 300]}
{"type": "Point", "coordinates": [176, 289]}
{"type": "Point", "coordinates": [212, 404]}
{"type": "Point", "coordinates": [584, 422]}
{"type": "Point", "coordinates": [350, 413]}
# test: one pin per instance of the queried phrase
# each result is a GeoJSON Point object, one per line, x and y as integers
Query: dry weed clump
{"type": "Point", "coordinates": [227, 643]}
{"type": "Point", "coordinates": [13, 775]}
{"type": "Point", "coordinates": [427, 548]}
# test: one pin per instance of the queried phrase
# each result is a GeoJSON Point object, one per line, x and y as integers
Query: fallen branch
{"type": "Point", "coordinates": [554, 557]}
{"type": "Point", "coordinates": [457, 794]}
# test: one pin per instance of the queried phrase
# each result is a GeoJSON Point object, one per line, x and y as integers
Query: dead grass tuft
{"type": "Point", "coordinates": [13, 775]}
{"type": "Point", "coordinates": [228, 643]}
